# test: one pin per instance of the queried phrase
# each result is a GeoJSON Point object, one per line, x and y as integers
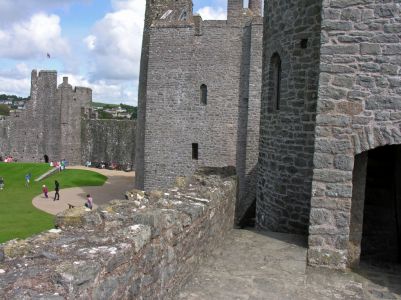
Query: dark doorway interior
{"type": "Point", "coordinates": [46, 158]}
{"type": "Point", "coordinates": [248, 220]}
{"type": "Point", "coordinates": [381, 237]}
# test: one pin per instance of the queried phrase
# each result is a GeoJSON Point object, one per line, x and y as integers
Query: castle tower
{"type": "Point", "coordinates": [289, 96]}
{"type": "Point", "coordinates": [155, 10]}
{"type": "Point", "coordinates": [256, 6]}
{"type": "Point", "coordinates": [234, 10]}
{"type": "Point", "coordinates": [200, 82]}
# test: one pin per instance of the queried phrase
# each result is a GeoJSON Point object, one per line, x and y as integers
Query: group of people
{"type": "Point", "coordinates": [45, 190]}
{"type": "Point", "coordinates": [8, 159]}
{"type": "Point", "coordinates": [61, 165]}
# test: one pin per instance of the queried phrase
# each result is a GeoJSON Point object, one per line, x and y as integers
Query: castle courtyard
{"type": "Point", "coordinates": [117, 183]}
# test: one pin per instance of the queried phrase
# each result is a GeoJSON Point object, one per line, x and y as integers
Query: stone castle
{"type": "Point", "coordinates": [309, 115]}
{"type": "Point", "coordinates": [199, 94]}
{"type": "Point", "coordinates": [58, 123]}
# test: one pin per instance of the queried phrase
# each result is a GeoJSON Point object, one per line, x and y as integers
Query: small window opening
{"type": "Point", "coordinates": [304, 43]}
{"type": "Point", "coordinates": [203, 94]}
{"type": "Point", "coordinates": [275, 81]}
{"type": "Point", "coordinates": [195, 149]}
{"type": "Point", "coordinates": [183, 16]}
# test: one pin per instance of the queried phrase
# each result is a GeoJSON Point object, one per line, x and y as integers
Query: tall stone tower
{"type": "Point", "coordinates": [330, 145]}
{"type": "Point", "coordinates": [166, 9]}
{"type": "Point", "coordinates": [199, 94]}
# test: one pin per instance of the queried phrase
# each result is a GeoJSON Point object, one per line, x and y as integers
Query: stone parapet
{"type": "Point", "coordinates": [146, 247]}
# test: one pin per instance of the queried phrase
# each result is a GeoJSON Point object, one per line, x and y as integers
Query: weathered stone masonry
{"type": "Point", "coordinates": [358, 110]}
{"type": "Point", "coordinates": [143, 248]}
{"type": "Point", "coordinates": [339, 98]}
{"type": "Point", "coordinates": [287, 133]}
{"type": "Point", "coordinates": [57, 123]}
{"type": "Point", "coordinates": [180, 54]}
{"type": "Point", "coordinates": [330, 96]}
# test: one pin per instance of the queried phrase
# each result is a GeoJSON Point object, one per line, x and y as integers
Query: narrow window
{"type": "Point", "coordinates": [304, 43]}
{"type": "Point", "coordinates": [275, 81]}
{"type": "Point", "coordinates": [195, 153]}
{"type": "Point", "coordinates": [183, 16]}
{"type": "Point", "coordinates": [203, 94]}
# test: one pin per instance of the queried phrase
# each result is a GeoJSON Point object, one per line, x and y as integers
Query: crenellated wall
{"type": "Point", "coordinates": [57, 122]}
{"type": "Point", "coordinates": [143, 248]}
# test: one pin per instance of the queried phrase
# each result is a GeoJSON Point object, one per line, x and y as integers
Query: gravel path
{"type": "Point", "coordinates": [118, 182]}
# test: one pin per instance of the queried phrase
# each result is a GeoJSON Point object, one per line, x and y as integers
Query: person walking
{"type": "Point", "coordinates": [45, 190]}
{"type": "Point", "coordinates": [1, 183]}
{"type": "Point", "coordinates": [56, 188]}
{"type": "Point", "coordinates": [27, 179]}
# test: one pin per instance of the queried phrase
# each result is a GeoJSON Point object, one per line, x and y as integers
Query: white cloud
{"type": "Point", "coordinates": [15, 86]}
{"type": "Point", "coordinates": [115, 42]}
{"type": "Point", "coordinates": [34, 38]}
{"type": "Point", "coordinates": [212, 13]}
{"type": "Point", "coordinates": [105, 90]}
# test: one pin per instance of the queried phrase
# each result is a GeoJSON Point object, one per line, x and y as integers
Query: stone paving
{"type": "Point", "coordinates": [264, 265]}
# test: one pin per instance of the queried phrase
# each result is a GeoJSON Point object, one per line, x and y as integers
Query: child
{"type": "Point", "coordinates": [27, 179]}
{"type": "Point", "coordinates": [45, 190]}
{"type": "Point", "coordinates": [1, 183]}
{"type": "Point", "coordinates": [89, 201]}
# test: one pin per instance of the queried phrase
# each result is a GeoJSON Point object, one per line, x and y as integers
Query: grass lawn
{"type": "Point", "coordinates": [18, 217]}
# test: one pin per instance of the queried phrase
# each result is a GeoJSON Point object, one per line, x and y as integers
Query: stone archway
{"type": "Point", "coordinates": [46, 158]}
{"type": "Point", "coordinates": [375, 224]}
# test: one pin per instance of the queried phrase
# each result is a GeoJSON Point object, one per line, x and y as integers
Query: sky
{"type": "Point", "coordinates": [96, 43]}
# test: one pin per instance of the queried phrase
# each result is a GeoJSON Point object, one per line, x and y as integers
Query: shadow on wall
{"type": "Point", "coordinates": [245, 210]}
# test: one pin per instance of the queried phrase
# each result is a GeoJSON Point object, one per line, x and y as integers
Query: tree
{"type": "Point", "coordinates": [4, 110]}
{"type": "Point", "coordinates": [134, 113]}
{"type": "Point", "coordinates": [104, 115]}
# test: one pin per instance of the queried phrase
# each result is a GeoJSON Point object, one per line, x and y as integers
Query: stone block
{"type": "Point", "coordinates": [78, 217]}
{"type": "Point", "coordinates": [370, 49]}
{"type": "Point", "coordinates": [334, 259]}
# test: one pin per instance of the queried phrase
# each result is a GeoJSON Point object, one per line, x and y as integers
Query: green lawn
{"type": "Point", "coordinates": [18, 217]}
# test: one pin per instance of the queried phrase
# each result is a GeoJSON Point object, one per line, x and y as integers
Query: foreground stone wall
{"type": "Point", "coordinates": [146, 247]}
{"type": "Point", "coordinates": [108, 140]}
{"type": "Point", "coordinates": [358, 110]}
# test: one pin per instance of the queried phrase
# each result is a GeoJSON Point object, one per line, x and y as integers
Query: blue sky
{"type": "Point", "coordinates": [96, 43]}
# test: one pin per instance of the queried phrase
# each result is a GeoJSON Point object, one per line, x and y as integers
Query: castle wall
{"type": "Point", "coordinates": [358, 110]}
{"type": "Point", "coordinates": [154, 10]}
{"type": "Point", "coordinates": [179, 63]}
{"type": "Point", "coordinates": [32, 133]}
{"type": "Point", "coordinates": [71, 118]}
{"type": "Point", "coordinates": [108, 140]}
{"type": "Point", "coordinates": [249, 118]}
{"type": "Point", "coordinates": [130, 253]}
{"type": "Point", "coordinates": [287, 134]}
{"type": "Point", "coordinates": [55, 123]}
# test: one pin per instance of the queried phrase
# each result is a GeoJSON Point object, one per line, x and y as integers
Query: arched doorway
{"type": "Point", "coordinates": [375, 229]}
{"type": "Point", "coordinates": [46, 158]}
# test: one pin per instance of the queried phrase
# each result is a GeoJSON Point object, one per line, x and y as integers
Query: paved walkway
{"type": "Point", "coordinates": [254, 265]}
{"type": "Point", "coordinates": [118, 182]}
